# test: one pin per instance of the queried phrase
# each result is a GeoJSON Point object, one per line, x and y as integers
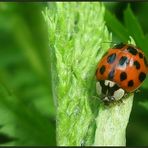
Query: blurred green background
{"type": "Point", "coordinates": [27, 112]}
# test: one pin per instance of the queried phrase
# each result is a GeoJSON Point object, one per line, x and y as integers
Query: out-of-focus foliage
{"type": "Point", "coordinates": [26, 108]}
{"type": "Point", "coordinates": [27, 113]}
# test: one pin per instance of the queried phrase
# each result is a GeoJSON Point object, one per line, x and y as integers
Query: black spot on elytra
{"type": "Point", "coordinates": [111, 58]}
{"type": "Point", "coordinates": [119, 46]}
{"type": "Point", "coordinates": [140, 55]}
{"type": "Point", "coordinates": [123, 60]}
{"type": "Point", "coordinates": [123, 76]}
{"type": "Point", "coordinates": [137, 64]}
{"type": "Point", "coordinates": [132, 50]}
{"type": "Point", "coordinates": [130, 83]}
{"type": "Point", "coordinates": [142, 76]}
{"type": "Point", "coordinates": [102, 70]}
{"type": "Point", "coordinates": [111, 74]}
{"type": "Point", "coordinates": [145, 61]}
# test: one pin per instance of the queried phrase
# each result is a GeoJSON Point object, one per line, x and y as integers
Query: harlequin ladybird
{"type": "Point", "coordinates": [120, 71]}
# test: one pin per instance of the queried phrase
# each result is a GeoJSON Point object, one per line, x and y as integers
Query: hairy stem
{"type": "Point", "coordinates": [76, 34]}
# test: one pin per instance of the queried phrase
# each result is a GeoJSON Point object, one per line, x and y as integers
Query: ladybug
{"type": "Point", "coordinates": [121, 71]}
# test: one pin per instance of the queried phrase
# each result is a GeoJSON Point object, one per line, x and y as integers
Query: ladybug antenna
{"type": "Point", "coordinates": [108, 42]}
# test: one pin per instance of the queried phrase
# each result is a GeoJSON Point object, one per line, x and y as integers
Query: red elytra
{"type": "Point", "coordinates": [124, 64]}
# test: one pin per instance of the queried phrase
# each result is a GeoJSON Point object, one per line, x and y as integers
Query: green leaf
{"type": "Point", "coordinates": [133, 25]}
{"type": "Point", "coordinates": [24, 123]}
{"type": "Point", "coordinates": [144, 104]}
{"type": "Point", "coordinates": [134, 29]}
{"type": "Point", "coordinates": [116, 26]}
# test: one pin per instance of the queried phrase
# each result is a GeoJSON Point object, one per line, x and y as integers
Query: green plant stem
{"type": "Point", "coordinates": [112, 122]}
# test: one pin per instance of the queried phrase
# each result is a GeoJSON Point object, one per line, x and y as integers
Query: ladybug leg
{"type": "Point", "coordinates": [98, 98]}
{"type": "Point", "coordinates": [137, 90]}
{"type": "Point", "coordinates": [125, 96]}
{"type": "Point", "coordinates": [121, 101]}
{"type": "Point", "coordinates": [95, 97]}
{"type": "Point", "coordinates": [102, 99]}
{"type": "Point", "coordinates": [106, 102]}
{"type": "Point", "coordinates": [112, 98]}
{"type": "Point", "coordinates": [106, 99]}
